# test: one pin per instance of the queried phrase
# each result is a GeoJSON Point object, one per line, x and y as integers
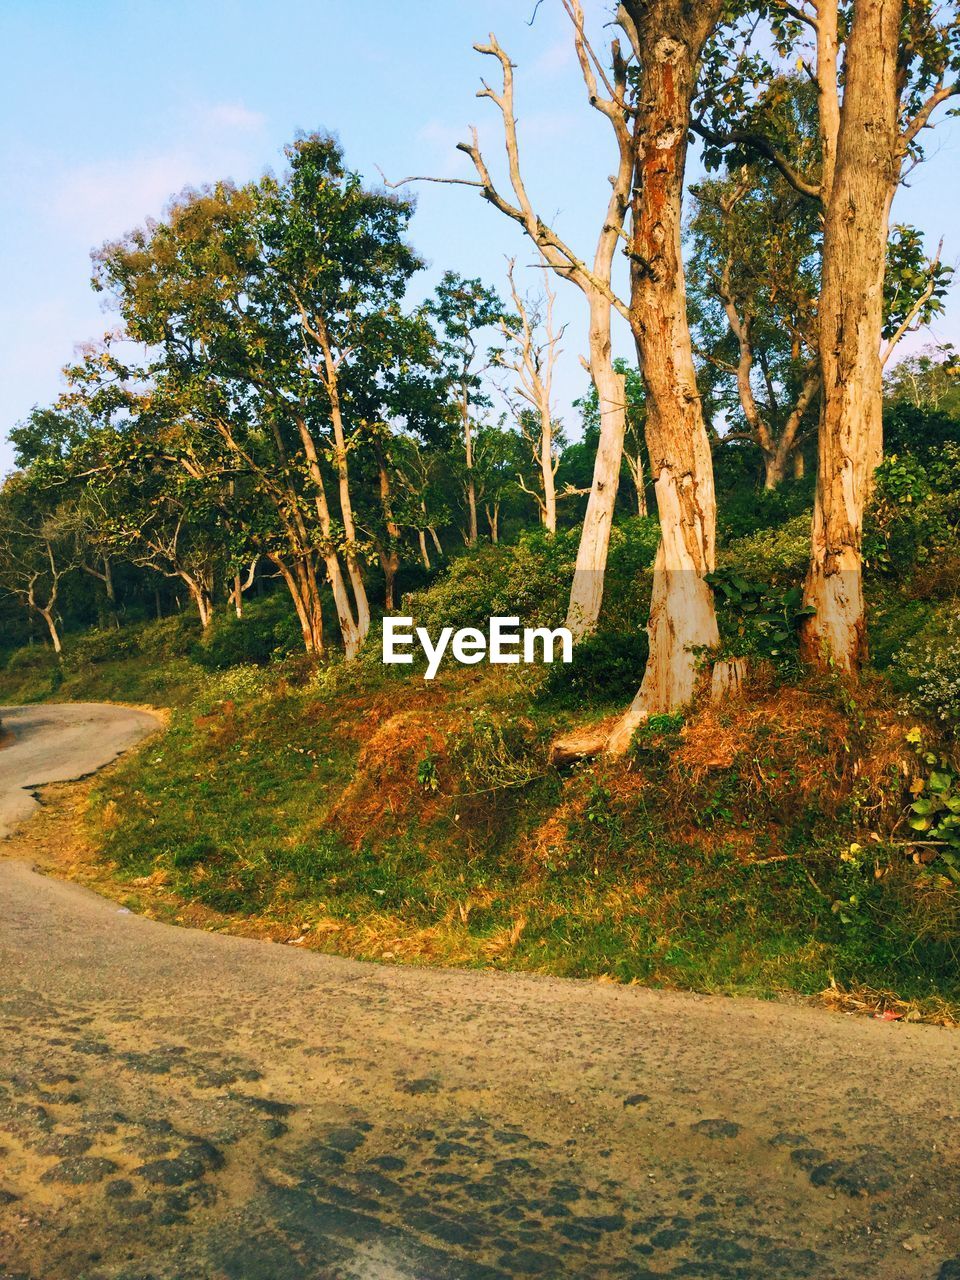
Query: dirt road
{"type": "Point", "coordinates": [182, 1104]}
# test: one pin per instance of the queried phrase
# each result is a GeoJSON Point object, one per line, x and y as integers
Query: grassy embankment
{"type": "Point", "coordinates": [758, 849]}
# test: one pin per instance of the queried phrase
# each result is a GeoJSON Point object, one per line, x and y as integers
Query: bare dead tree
{"type": "Point", "coordinates": [532, 347]}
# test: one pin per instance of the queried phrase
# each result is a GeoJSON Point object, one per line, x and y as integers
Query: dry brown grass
{"type": "Point", "coordinates": [885, 1005]}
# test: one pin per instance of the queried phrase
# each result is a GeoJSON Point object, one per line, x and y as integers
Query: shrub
{"type": "Point", "coordinates": [932, 666]}
{"type": "Point", "coordinates": [758, 619]}
{"type": "Point", "coordinates": [267, 630]}
{"type": "Point", "coordinates": [497, 752]}
{"type": "Point", "coordinates": [606, 667]}
{"type": "Point", "coordinates": [29, 658]}
{"type": "Point", "coordinates": [778, 555]}
{"type": "Point", "coordinates": [915, 515]}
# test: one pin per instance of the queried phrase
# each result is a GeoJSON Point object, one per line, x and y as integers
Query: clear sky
{"type": "Point", "coordinates": [110, 106]}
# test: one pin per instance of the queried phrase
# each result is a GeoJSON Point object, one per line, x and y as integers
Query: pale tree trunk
{"type": "Point", "coordinates": [346, 506]}
{"type": "Point", "coordinates": [586, 593]}
{"type": "Point", "coordinates": [350, 626]}
{"type": "Point", "coordinates": [51, 622]}
{"type": "Point", "coordinates": [493, 520]}
{"type": "Point", "coordinates": [683, 626]}
{"type": "Point", "coordinates": [424, 554]}
{"type": "Point", "coordinates": [851, 317]}
{"type": "Point", "coordinates": [201, 596]}
{"type": "Point", "coordinates": [785, 449]}
{"type": "Point", "coordinates": [775, 449]}
{"type": "Point", "coordinates": [108, 581]}
{"type": "Point", "coordinates": [594, 281]}
{"type": "Point", "coordinates": [547, 471]}
{"type": "Point", "coordinates": [533, 365]}
{"type": "Point", "coordinates": [436, 541]}
{"type": "Point", "coordinates": [799, 465]}
{"type": "Point", "coordinates": [635, 467]}
{"type": "Point", "coordinates": [354, 627]}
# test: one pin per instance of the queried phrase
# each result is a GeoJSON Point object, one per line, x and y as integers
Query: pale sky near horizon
{"type": "Point", "coordinates": [111, 106]}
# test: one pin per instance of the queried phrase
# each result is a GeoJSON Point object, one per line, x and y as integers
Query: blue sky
{"type": "Point", "coordinates": [110, 106]}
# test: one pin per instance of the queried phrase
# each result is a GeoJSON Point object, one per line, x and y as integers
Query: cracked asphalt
{"type": "Point", "coordinates": [178, 1104]}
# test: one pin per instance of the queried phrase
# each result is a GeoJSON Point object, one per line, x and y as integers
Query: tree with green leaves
{"type": "Point", "coordinates": [881, 68]}
{"type": "Point", "coordinates": [272, 320]}
{"type": "Point", "coordinates": [462, 308]}
{"type": "Point", "coordinates": [37, 548]}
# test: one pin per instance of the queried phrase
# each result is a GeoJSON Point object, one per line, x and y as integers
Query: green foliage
{"type": "Point", "coordinates": [935, 813]}
{"type": "Point", "coordinates": [531, 580]}
{"type": "Point", "coordinates": [931, 664]}
{"type": "Point", "coordinates": [779, 554]}
{"type": "Point", "coordinates": [268, 630]}
{"type": "Point", "coordinates": [743, 510]}
{"type": "Point", "coordinates": [427, 777]}
{"type": "Point", "coordinates": [915, 515]}
{"type": "Point", "coordinates": [757, 618]}
{"type": "Point", "coordinates": [607, 668]}
{"type": "Point", "coordinates": [497, 752]}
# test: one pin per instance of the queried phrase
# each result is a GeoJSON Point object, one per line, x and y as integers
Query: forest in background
{"type": "Point", "coordinates": [748, 777]}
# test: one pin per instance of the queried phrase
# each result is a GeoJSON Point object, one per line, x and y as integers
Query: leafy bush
{"type": "Point", "coordinates": [104, 645]}
{"type": "Point", "coordinates": [743, 510]}
{"type": "Point", "coordinates": [778, 555]}
{"type": "Point", "coordinates": [935, 812]}
{"type": "Point", "coordinates": [29, 658]}
{"type": "Point", "coordinates": [915, 515]}
{"type": "Point", "coordinates": [757, 618]}
{"type": "Point", "coordinates": [932, 666]}
{"type": "Point", "coordinates": [531, 580]}
{"type": "Point", "coordinates": [267, 630]}
{"type": "Point", "coordinates": [606, 667]}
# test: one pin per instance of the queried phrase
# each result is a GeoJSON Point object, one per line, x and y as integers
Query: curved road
{"type": "Point", "coordinates": [181, 1104]}
{"type": "Point", "coordinates": [58, 742]}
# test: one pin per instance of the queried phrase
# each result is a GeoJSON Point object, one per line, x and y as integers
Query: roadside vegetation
{"type": "Point", "coordinates": [764, 847]}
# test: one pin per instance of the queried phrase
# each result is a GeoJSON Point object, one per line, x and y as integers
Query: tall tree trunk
{"type": "Point", "coordinates": [851, 316]}
{"type": "Point", "coordinates": [493, 520]}
{"type": "Point", "coordinates": [635, 466]}
{"type": "Point", "coordinates": [351, 628]}
{"type": "Point", "coordinates": [683, 624]}
{"type": "Point", "coordinates": [799, 465]}
{"type": "Point", "coordinates": [546, 468]}
{"type": "Point", "coordinates": [302, 584]}
{"type": "Point", "coordinates": [201, 595]}
{"type": "Point", "coordinates": [473, 530]}
{"type": "Point", "coordinates": [108, 581]}
{"type": "Point", "coordinates": [424, 555]}
{"type": "Point", "coordinates": [389, 554]}
{"type": "Point", "coordinates": [346, 511]}
{"type": "Point", "coordinates": [436, 541]}
{"type": "Point", "coordinates": [586, 592]}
